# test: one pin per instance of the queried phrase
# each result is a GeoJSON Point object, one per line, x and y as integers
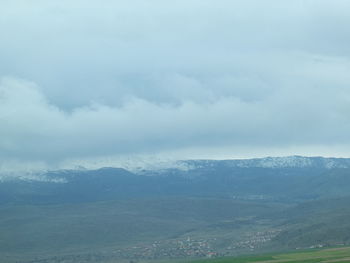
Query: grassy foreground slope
{"type": "Point", "coordinates": [331, 255]}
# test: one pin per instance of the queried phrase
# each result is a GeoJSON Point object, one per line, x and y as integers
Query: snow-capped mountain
{"type": "Point", "coordinates": [165, 167]}
{"type": "Point", "coordinates": [273, 162]}
{"type": "Point", "coordinates": [273, 178]}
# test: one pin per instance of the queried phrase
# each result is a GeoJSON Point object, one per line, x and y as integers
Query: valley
{"type": "Point", "coordinates": [208, 210]}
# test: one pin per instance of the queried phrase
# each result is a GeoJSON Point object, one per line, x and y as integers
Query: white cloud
{"type": "Point", "coordinates": [34, 129]}
{"type": "Point", "coordinates": [149, 77]}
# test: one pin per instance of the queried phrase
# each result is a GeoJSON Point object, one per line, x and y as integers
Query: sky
{"type": "Point", "coordinates": [87, 81]}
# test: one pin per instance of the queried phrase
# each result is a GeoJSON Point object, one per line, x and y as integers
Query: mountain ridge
{"type": "Point", "coordinates": [164, 167]}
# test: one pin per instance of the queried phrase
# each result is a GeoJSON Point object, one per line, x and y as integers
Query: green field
{"type": "Point", "coordinates": [331, 255]}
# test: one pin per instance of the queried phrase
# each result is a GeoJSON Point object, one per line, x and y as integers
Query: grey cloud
{"type": "Point", "coordinates": [102, 48]}
{"type": "Point", "coordinates": [118, 77]}
{"type": "Point", "coordinates": [32, 128]}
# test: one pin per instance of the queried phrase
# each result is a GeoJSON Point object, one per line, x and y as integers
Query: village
{"type": "Point", "coordinates": [187, 247]}
{"type": "Point", "coordinates": [255, 240]}
{"type": "Point", "coordinates": [191, 247]}
{"type": "Point", "coordinates": [178, 248]}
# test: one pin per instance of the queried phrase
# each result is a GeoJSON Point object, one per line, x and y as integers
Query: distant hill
{"type": "Point", "coordinates": [282, 179]}
{"type": "Point", "coordinates": [194, 208]}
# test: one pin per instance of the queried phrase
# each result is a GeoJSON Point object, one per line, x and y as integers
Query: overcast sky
{"type": "Point", "coordinates": [87, 80]}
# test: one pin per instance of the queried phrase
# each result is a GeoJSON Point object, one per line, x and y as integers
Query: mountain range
{"type": "Point", "coordinates": [232, 206]}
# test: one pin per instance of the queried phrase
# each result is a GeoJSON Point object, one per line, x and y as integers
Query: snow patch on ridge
{"type": "Point", "coordinates": [162, 166]}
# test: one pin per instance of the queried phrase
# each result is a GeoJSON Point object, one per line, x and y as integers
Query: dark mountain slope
{"type": "Point", "coordinates": [322, 222]}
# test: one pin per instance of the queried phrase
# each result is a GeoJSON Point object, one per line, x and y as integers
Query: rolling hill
{"type": "Point", "coordinates": [197, 209]}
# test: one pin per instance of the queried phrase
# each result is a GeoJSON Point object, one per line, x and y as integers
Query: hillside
{"type": "Point", "coordinates": [214, 179]}
{"type": "Point", "coordinates": [218, 208]}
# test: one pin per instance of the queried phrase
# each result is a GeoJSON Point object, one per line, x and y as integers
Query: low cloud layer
{"type": "Point", "coordinates": [89, 80]}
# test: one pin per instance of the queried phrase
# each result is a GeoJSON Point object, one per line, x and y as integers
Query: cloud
{"type": "Point", "coordinates": [92, 80]}
{"type": "Point", "coordinates": [95, 51]}
{"type": "Point", "coordinates": [34, 129]}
